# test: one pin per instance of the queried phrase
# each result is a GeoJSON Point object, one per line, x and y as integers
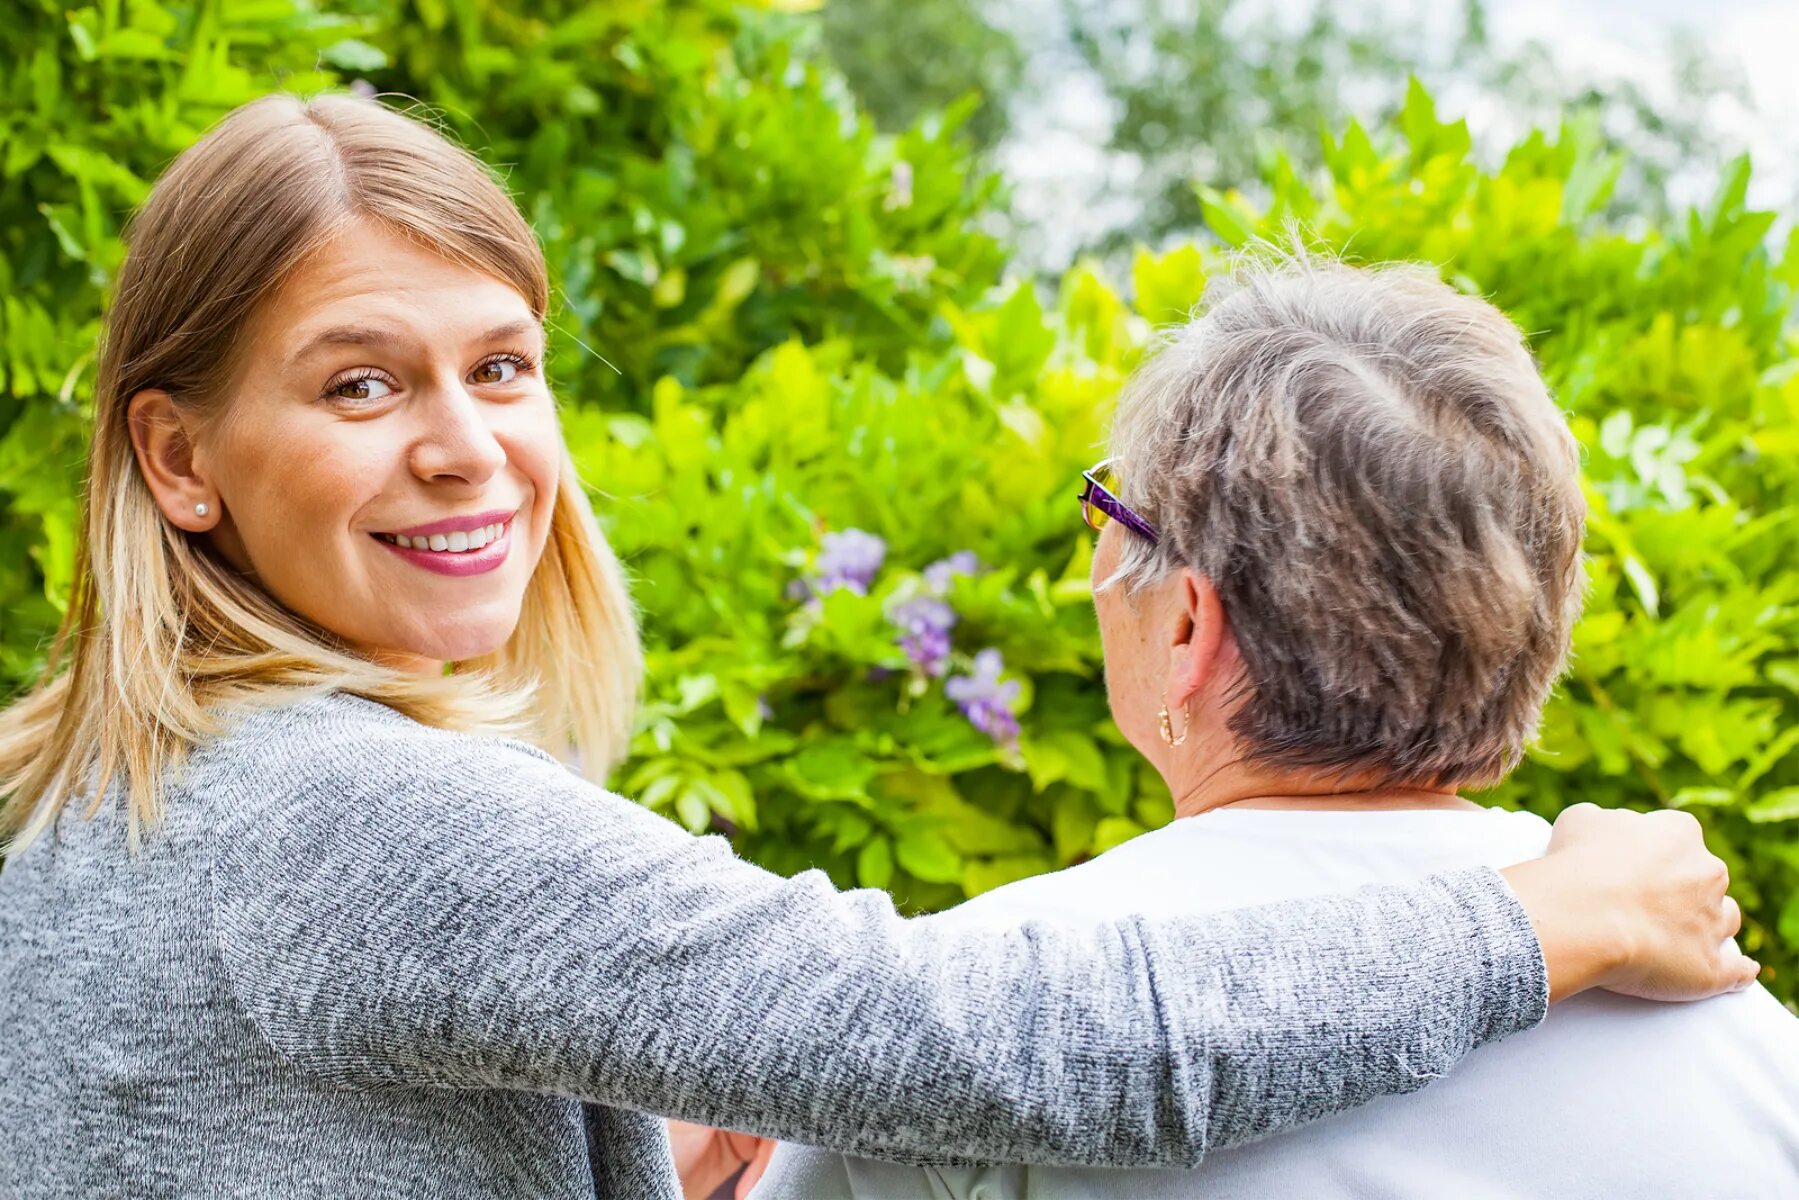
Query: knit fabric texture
{"type": "Point", "coordinates": [365, 957]}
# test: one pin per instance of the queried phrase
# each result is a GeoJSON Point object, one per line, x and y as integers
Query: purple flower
{"type": "Point", "coordinates": [848, 560]}
{"type": "Point", "coordinates": [925, 623]}
{"type": "Point", "coordinates": [939, 574]}
{"type": "Point", "coordinates": [985, 699]}
{"type": "Point", "coordinates": [899, 190]}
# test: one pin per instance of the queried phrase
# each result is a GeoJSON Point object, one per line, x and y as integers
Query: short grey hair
{"type": "Point", "coordinates": [1367, 466]}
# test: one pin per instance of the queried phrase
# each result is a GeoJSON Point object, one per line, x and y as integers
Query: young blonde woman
{"type": "Point", "coordinates": [291, 911]}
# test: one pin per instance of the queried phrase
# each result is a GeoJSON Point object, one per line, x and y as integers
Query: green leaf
{"type": "Point", "coordinates": [354, 54]}
{"type": "Point", "coordinates": [1227, 216]}
{"type": "Point", "coordinates": [1788, 926]}
{"type": "Point", "coordinates": [1762, 763]}
{"type": "Point", "coordinates": [690, 806]}
{"type": "Point", "coordinates": [1643, 583]}
{"type": "Point", "coordinates": [132, 44]}
{"type": "Point", "coordinates": [1167, 288]}
{"type": "Point", "coordinates": [983, 875]}
{"type": "Point", "coordinates": [832, 769]}
{"type": "Point", "coordinates": [1702, 797]}
{"type": "Point", "coordinates": [874, 863]}
{"type": "Point", "coordinates": [1072, 824]}
{"type": "Point", "coordinates": [1114, 831]}
{"type": "Point", "coordinates": [926, 855]}
{"type": "Point", "coordinates": [1781, 805]}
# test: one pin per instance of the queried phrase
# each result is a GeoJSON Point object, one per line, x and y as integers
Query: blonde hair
{"type": "Point", "coordinates": [162, 636]}
{"type": "Point", "coordinates": [1367, 466]}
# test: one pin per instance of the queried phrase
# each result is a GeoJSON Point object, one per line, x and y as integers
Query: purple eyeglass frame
{"type": "Point", "coordinates": [1096, 495]}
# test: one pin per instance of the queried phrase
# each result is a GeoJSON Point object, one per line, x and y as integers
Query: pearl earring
{"type": "Point", "coordinates": [200, 509]}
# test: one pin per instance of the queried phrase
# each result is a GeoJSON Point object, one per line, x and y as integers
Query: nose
{"type": "Point", "coordinates": [458, 441]}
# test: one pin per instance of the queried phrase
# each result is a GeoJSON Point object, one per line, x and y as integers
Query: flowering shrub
{"type": "Point", "coordinates": [985, 699]}
{"type": "Point", "coordinates": [846, 560]}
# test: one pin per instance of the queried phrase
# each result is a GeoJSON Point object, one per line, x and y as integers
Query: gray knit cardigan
{"type": "Point", "coordinates": [363, 957]}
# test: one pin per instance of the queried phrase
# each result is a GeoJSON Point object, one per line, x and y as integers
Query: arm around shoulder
{"type": "Point", "coordinates": [463, 911]}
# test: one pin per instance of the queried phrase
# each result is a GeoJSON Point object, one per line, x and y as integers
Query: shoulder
{"type": "Point", "coordinates": [1132, 877]}
{"type": "Point", "coordinates": [334, 772]}
{"type": "Point", "coordinates": [341, 798]}
{"type": "Point", "coordinates": [353, 846]}
{"type": "Point", "coordinates": [334, 802]}
{"type": "Point", "coordinates": [333, 756]}
{"type": "Point", "coordinates": [317, 733]}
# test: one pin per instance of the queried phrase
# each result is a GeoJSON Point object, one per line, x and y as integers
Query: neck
{"type": "Point", "coordinates": [1242, 785]}
{"type": "Point", "coordinates": [414, 664]}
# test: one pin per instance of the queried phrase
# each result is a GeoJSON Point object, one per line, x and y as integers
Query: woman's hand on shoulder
{"type": "Point", "coordinates": [1633, 903]}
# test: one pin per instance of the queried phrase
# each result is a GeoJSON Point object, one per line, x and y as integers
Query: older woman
{"type": "Point", "coordinates": [1338, 565]}
{"type": "Point", "coordinates": [294, 910]}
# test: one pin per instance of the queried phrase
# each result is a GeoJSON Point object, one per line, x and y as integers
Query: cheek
{"type": "Point", "coordinates": [1122, 644]}
{"type": "Point", "coordinates": [532, 437]}
{"type": "Point", "coordinates": [1134, 667]}
{"type": "Point", "coordinates": [293, 485]}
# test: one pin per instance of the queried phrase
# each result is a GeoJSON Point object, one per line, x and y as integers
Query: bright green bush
{"type": "Point", "coordinates": [805, 340]}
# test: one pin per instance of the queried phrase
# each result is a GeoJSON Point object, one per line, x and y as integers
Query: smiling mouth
{"type": "Point", "coordinates": [462, 541]}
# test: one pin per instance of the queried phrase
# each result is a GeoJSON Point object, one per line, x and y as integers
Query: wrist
{"type": "Point", "coordinates": [1585, 943]}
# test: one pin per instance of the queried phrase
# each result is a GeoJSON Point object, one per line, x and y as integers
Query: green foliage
{"type": "Point", "coordinates": [806, 337]}
{"type": "Point", "coordinates": [855, 762]}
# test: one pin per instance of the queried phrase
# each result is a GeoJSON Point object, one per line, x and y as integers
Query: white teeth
{"type": "Point", "coordinates": [460, 542]}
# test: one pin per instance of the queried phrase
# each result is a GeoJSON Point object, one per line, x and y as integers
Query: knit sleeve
{"type": "Point", "coordinates": [398, 906]}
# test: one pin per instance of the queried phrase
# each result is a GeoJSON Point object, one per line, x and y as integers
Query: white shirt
{"type": "Point", "coordinates": [1609, 1097]}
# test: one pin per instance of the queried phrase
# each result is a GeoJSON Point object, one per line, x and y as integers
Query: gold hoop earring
{"type": "Point", "coordinates": [1168, 724]}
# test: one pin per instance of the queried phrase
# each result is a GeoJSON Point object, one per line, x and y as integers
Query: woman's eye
{"type": "Point", "coordinates": [361, 388]}
{"type": "Point", "coordinates": [499, 370]}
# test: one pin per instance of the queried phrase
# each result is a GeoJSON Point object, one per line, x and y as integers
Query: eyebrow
{"type": "Point", "coordinates": [361, 335]}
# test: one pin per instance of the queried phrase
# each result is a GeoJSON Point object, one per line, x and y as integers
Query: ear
{"type": "Point", "coordinates": [1196, 647]}
{"type": "Point", "coordinates": [165, 454]}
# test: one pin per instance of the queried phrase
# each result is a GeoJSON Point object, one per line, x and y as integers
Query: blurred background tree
{"type": "Point", "coordinates": [907, 59]}
{"type": "Point", "coordinates": [1178, 92]}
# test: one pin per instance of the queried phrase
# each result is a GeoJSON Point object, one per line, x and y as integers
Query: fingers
{"type": "Point", "coordinates": [758, 1164]}
{"type": "Point", "coordinates": [1739, 969]}
{"type": "Point", "coordinates": [1570, 819]}
{"type": "Point", "coordinates": [1676, 816]}
{"type": "Point", "coordinates": [1733, 916]}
